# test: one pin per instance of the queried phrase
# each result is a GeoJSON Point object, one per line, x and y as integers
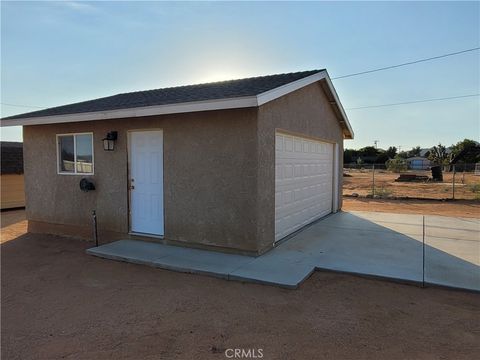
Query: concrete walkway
{"type": "Point", "coordinates": [376, 244]}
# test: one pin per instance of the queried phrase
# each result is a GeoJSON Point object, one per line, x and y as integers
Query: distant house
{"type": "Point", "coordinates": [11, 176]}
{"type": "Point", "coordinates": [418, 163]}
{"type": "Point", "coordinates": [425, 152]}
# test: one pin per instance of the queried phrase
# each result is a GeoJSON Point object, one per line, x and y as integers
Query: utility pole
{"type": "Point", "coordinates": [375, 142]}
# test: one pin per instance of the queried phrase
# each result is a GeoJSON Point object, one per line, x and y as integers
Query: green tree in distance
{"type": "Point", "coordinates": [473, 157]}
{"type": "Point", "coordinates": [415, 151]}
{"type": "Point", "coordinates": [391, 152]}
{"type": "Point", "coordinates": [438, 155]}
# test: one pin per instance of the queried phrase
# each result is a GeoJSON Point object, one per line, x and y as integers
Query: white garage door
{"type": "Point", "coordinates": [303, 182]}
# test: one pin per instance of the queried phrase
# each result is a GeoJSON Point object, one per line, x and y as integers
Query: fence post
{"type": "Point", "coordinates": [423, 251]}
{"type": "Point", "coordinates": [453, 182]}
{"type": "Point", "coordinates": [373, 180]}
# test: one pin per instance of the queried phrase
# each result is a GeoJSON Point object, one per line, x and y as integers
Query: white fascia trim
{"type": "Point", "coordinates": [222, 104]}
{"type": "Point", "coordinates": [298, 84]}
{"type": "Point", "coordinates": [235, 103]}
{"type": "Point", "coordinates": [339, 104]}
{"type": "Point", "coordinates": [290, 87]}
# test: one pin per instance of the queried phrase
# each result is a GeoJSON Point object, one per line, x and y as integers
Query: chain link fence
{"type": "Point", "coordinates": [460, 181]}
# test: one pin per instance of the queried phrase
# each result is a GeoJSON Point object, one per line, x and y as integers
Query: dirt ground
{"type": "Point", "coordinates": [59, 303]}
{"type": "Point", "coordinates": [467, 185]}
{"type": "Point", "coordinates": [457, 208]}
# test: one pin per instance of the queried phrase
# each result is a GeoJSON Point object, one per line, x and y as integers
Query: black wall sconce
{"type": "Point", "coordinates": [109, 141]}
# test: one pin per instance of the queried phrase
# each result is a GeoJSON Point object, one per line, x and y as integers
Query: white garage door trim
{"type": "Point", "coordinates": [306, 181]}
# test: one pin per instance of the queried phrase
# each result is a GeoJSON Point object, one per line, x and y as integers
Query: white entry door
{"type": "Point", "coordinates": [146, 182]}
{"type": "Point", "coordinates": [303, 182]}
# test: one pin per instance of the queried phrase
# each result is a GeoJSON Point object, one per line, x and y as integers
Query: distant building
{"type": "Point", "coordinates": [425, 152]}
{"type": "Point", "coordinates": [418, 163]}
{"type": "Point", "coordinates": [11, 175]}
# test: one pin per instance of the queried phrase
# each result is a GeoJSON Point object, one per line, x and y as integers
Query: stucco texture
{"type": "Point", "coordinates": [219, 172]}
{"type": "Point", "coordinates": [304, 112]}
{"type": "Point", "coordinates": [209, 178]}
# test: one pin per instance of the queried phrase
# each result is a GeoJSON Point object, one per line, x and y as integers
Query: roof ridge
{"type": "Point", "coordinates": [221, 81]}
{"type": "Point", "coordinates": [225, 89]}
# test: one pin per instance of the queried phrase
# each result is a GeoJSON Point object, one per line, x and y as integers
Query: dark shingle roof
{"type": "Point", "coordinates": [174, 95]}
{"type": "Point", "coordinates": [11, 157]}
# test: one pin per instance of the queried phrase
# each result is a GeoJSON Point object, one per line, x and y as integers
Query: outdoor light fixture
{"type": "Point", "coordinates": [109, 141]}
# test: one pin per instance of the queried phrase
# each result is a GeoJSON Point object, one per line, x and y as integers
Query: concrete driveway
{"type": "Point", "coordinates": [377, 244]}
{"type": "Point", "coordinates": [391, 245]}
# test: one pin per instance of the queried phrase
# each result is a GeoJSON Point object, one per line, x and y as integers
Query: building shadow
{"type": "Point", "coordinates": [391, 246]}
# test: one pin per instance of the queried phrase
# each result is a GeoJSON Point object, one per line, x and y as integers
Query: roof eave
{"type": "Point", "coordinates": [208, 105]}
{"type": "Point", "coordinates": [221, 104]}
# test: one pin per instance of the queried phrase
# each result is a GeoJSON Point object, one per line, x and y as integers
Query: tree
{"type": "Point", "coordinates": [438, 155]}
{"type": "Point", "coordinates": [466, 144]}
{"type": "Point", "coordinates": [382, 158]}
{"type": "Point", "coordinates": [397, 165]}
{"type": "Point", "coordinates": [368, 154]}
{"type": "Point", "coordinates": [415, 151]}
{"type": "Point", "coordinates": [350, 156]}
{"type": "Point", "coordinates": [402, 155]}
{"type": "Point", "coordinates": [391, 152]}
{"type": "Point", "coordinates": [368, 151]}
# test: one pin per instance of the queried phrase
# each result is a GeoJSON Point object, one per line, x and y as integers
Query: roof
{"type": "Point", "coordinates": [417, 158]}
{"type": "Point", "coordinates": [249, 92]}
{"type": "Point", "coordinates": [11, 157]}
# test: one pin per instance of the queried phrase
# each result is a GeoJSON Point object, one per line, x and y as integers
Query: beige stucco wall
{"type": "Point", "coordinates": [305, 111]}
{"type": "Point", "coordinates": [219, 172]}
{"type": "Point", "coordinates": [209, 178]}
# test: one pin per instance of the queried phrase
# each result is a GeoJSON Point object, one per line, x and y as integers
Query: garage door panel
{"type": "Point", "coordinates": [303, 182]}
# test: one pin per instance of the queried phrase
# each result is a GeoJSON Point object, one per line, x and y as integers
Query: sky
{"type": "Point", "coordinates": [55, 53]}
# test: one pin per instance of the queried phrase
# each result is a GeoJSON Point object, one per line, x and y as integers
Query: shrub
{"type": "Point", "coordinates": [475, 188]}
{"type": "Point", "coordinates": [396, 165]}
{"type": "Point", "coordinates": [382, 192]}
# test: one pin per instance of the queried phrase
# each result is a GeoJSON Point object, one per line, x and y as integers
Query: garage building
{"type": "Point", "coordinates": [233, 166]}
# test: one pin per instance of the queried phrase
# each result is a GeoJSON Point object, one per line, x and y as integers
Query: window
{"type": "Point", "coordinates": [75, 153]}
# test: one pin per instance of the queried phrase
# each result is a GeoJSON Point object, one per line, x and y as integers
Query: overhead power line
{"type": "Point", "coordinates": [25, 106]}
{"type": "Point", "coordinates": [407, 63]}
{"type": "Point", "coordinates": [356, 74]}
{"type": "Point", "coordinates": [413, 102]}
{"type": "Point", "coordinates": [353, 108]}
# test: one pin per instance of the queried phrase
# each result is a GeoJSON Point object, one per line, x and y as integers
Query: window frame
{"type": "Point", "coordinates": [57, 136]}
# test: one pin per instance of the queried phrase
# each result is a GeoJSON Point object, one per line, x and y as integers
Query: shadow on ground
{"type": "Point", "coordinates": [374, 244]}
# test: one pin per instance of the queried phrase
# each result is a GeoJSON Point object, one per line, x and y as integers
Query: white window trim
{"type": "Point", "coordinates": [74, 154]}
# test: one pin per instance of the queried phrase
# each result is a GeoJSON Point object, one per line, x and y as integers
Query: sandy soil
{"type": "Point", "coordinates": [460, 208]}
{"type": "Point", "coordinates": [360, 182]}
{"type": "Point", "coordinates": [12, 223]}
{"type": "Point", "coordinates": [59, 303]}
